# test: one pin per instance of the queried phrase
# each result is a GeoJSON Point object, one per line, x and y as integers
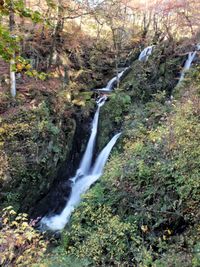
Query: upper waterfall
{"type": "Point", "coordinates": [114, 81]}
{"type": "Point", "coordinates": [144, 55]}
{"type": "Point", "coordinates": [187, 65]}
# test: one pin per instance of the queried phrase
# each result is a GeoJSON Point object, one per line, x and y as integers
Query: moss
{"type": "Point", "coordinates": [33, 145]}
{"type": "Point", "coordinates": [159, 73]}
{"type": "Point", "coordinates": [111, 117]}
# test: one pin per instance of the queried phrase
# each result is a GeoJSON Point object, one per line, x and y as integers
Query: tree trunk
{"type": "Point", "coordinates": [116, 49]}
{"type": "Point", "coordinates": [58, 29]}
{"type": "Point", "coordinates": [12, 61]}
{"type": "Point", "coordinates": [12, 78]}
{"type": "Point", "coordinates": [66, 77]}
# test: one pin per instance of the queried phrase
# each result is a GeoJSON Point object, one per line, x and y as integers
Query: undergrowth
{"type": "Point", "coordinates": [145, 210]}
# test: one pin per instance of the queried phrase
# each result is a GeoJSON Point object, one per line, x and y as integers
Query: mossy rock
{"type": "Point", "coordinates": [33, 145]}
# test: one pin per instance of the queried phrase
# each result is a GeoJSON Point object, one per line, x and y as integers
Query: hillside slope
{"type": "Point", "coordinates": [145, 210]}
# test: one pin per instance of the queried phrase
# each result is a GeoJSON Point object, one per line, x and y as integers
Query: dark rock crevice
{"type": "Point", "coordinates": [55, 199]}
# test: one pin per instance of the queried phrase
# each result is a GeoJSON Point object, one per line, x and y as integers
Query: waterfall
{"type": "Point", "coordinates": [187, 64]}
{"type": "Point", "coordinates": [87, 157]}
{"type": "Point", "coordinates": [85, 176]}
{"type": "Point", "coordinates": [144, 55]}
{"type": "Point", "coordinates": [103, 156]}
{"type": "Point", "coordinates": [113, 81]}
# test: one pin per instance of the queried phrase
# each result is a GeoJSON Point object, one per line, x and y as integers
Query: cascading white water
{"type": "Point", "coordinates": [84, 178]}
{"type": "Point", "coordinates": [114, 80]}
{"type": "Point", "coordinates": [58, 222]}
{"type": "Point", "coordinates": [103, 156]}
{"type": "Point", "coordinates": [187, 64]}
{"type": "Point", "coordinates": [87, 157]}
{"type": "Point", "coordinates": [144, 55]}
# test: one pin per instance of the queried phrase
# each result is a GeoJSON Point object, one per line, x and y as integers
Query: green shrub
{"type": "Point", "coordinates": [20, 245]}
{"type": "Point", "coordinates": [100, 236]}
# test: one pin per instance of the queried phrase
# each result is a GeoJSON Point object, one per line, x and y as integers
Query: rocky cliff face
{"type": "Point", "coordinates": [41, 143]}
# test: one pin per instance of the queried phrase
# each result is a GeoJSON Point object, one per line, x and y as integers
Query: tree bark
{"type": "Point", "coordinates": [12, 61]}
{"type": "Point", "coordinates": [58, 28]}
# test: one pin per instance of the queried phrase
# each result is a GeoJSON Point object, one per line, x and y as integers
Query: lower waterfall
{"type": "Point", "coordinates": [85, 176]}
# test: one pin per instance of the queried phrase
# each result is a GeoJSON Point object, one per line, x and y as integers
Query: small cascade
{"type": "Point", "coordinates": [144, 55]}
{"type": "Point", "coordinates": [187, 64]}
{"type": "Point", "coordinates": [85, 176]}
{"type": "Point", "coordinates": [113, 81]}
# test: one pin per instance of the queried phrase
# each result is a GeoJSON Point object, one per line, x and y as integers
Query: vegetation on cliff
{"type": "Point", "coordinates": [35, 139]}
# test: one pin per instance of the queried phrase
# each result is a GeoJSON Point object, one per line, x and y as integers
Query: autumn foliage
{"type": "Point", "coordinates": [20, 243]}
